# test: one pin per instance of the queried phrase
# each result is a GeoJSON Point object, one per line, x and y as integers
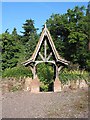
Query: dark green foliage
{"type": "Point", "coordinates": [29, 38]}
{"type": "Point", "coordinates": [30, 46]}
{"type": "Point", "coordinates": [69, 32]}
{"type": "Point", "coordinates": [9, 51]}
{"type": "Point", "coordinates": [29, 30]}
{"type": "Point", "coordinates": [28, 27]}
{"type": "Point", "coordinates": [46, 75]}
{"type": "Point", "coordinates": [88, 22]}
{"type": "Point", "coordinates": [14, 32]}
{"type": "Point", "coordinates": [17, 72]}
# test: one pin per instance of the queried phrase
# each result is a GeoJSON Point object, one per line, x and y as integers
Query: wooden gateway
{"type": "Point", "coordinates": [46, 42]}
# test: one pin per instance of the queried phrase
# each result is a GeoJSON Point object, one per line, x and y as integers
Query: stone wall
{"type": "Point", "coordinates": [27, 84]}
{"type": "Point", "coordinates": [12, 84]}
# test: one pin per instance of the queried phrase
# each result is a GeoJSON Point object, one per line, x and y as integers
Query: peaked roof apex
{"type": "Point", "coordinates": [45, 32]}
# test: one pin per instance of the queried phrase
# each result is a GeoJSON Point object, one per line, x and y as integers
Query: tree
{"type": "Point", "coordinates": [29, 38]}
{"type": "Point", "coordinates": [14, 32]}
{"type": "Point", "coordinates": [69, 31]}
{"type": "Point", "coordinates": [6, 31]}
{"type": "Point", "coordinates": [9, 51]}
{"type": "Point", "coordinates": [56, 25]}
{"type": "Point", "coordinates": [30, 45]}
{"type": "Point", "coordinates": [29, 29]}
{"type": "Point", "coordinates": [88, 23]}
{"type": "Point", "coordinates": [88, 34]}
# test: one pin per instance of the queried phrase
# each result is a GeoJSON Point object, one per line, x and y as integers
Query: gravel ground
{"type": "Point", "coordinates": [65, 104]}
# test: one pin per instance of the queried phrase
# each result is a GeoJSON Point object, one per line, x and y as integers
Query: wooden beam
{"type": "Point", "coordinates": [60, 68]}
{"type": "Point", "coordinates": [45, 49]}
{"type": "Point", "coordinates": [31, 69]}
{"type": "Point", "coordinates": [34, 72]}
{"type": "Point", "coordinates": [41, 56]}
{"type": "Point", "coordinates": [56, 72]}
{"type": "Point", "coordinates": [49, 56]}
{"type": "Point", "coordinates": [37, 62]}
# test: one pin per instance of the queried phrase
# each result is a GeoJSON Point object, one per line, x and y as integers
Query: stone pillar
{"type": "Point", "coordinates": [35, 85]}
{"type": "Point", "coordinates": [57, 85]}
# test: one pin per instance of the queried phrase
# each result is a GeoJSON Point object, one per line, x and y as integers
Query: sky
{"type": "Point", "coordinates": [14, 14]}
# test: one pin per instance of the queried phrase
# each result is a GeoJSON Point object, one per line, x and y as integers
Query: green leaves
{"type": "Point", "coordinates": [28, 27]}
{"type": "Point", "coordinates": [68, 75]}
{"type": "Point", "coordinates": [10, 49]}
{"type": "Point", "coordinates": [70, 34]}
{"type": "Point", "coordinates": [77, 37]}
{"type": "Point", "coordinates": [17, 72]}
{"type": "Point", "coordinates": [46, 75]}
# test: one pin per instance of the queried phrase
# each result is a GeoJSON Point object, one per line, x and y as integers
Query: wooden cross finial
{"type": "Point", "coordinates": [45, 25]}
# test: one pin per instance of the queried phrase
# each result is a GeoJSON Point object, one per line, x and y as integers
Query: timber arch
{"type": "Point", "coordinates": [58, 61]}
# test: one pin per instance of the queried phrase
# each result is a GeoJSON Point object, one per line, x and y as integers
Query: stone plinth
{"type": "Point", "coordinates": [57, 85]}
{"type": "Point", "coordinates": [35, 85]}
{"type": "Point", "coordinates": [27, 86]}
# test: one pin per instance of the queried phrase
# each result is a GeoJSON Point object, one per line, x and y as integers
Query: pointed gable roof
{"type": "Point", "coordinates": [46, 33]}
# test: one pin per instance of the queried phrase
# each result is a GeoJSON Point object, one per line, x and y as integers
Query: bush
{"type": "Point", "coordinates": [67, 75]}
{"type": "Point", "coordinates": [46, 75]}
{"type": "Point", "coordinates": [17, 72]}
{"type": "Point", "coordinates": [44, 88]}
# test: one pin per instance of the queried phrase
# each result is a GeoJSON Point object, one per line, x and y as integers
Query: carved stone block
{"type": "Point", "coordinates": [57, 85]}
{"type": "Point", "coordinates": [35, 85]}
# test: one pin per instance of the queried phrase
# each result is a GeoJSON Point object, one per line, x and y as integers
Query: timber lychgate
{"type": "Point", "coordinates": [57, 61]}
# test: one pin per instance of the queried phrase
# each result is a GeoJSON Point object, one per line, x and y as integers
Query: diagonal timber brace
{"type": "Point", "coordinates": [49, 56]}
{"type": "Point", "coordinates": [41, 56]}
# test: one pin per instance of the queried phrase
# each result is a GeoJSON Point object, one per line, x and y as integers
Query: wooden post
{"type": "Point", "coordinates": [60, 68]}
{"type": "Point", "coordinates": [34, 72]}
{"type": "Point", "coordinates": [54, 71]}
{"type": "Point", "coordinates": [57, 71]}
{"type": "Point", "coordinates": [57, 82]}
{"type": "Point", "coordinates": [45, 52]}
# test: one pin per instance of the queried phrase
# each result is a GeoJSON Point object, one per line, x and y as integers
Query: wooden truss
{"type": "Point", "coordinates": [58, 61]}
